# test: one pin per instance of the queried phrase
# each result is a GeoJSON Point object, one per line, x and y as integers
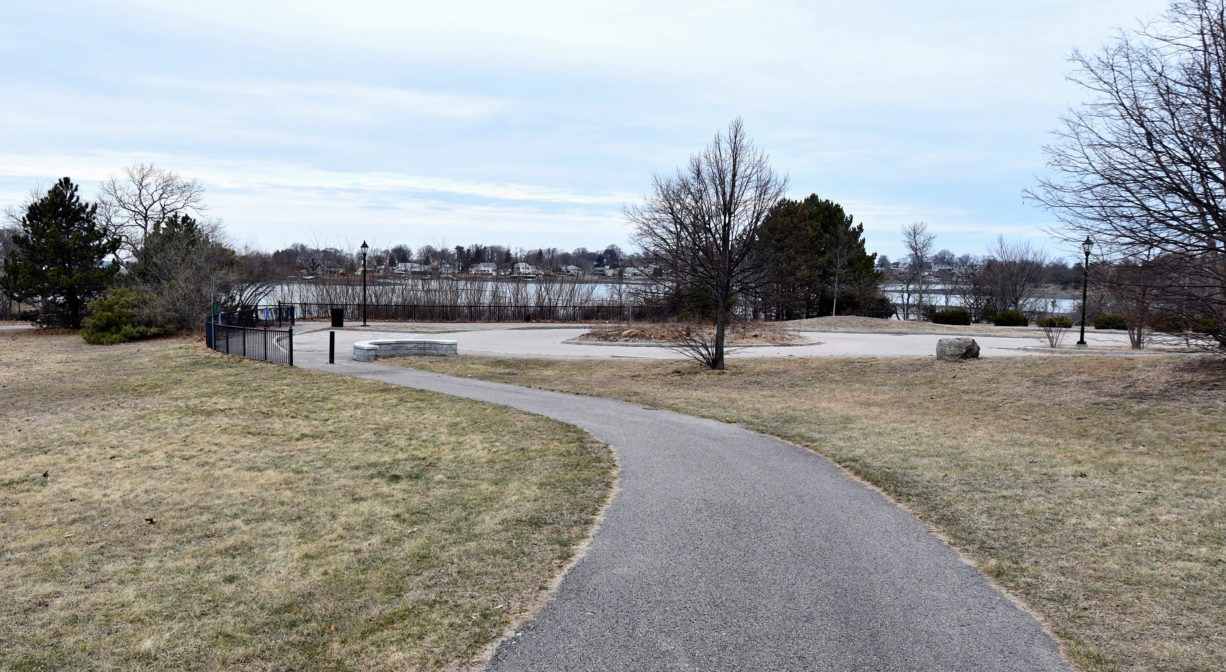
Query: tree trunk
{"type": "Point", "coordinates": [834, 306]}
{"type": "Point", "coordinates": [721, 319]}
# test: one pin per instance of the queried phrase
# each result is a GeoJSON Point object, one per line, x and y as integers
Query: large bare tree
{"type": "Point", "coordinates": [700, 225]}
{"type": "Point", "coordinates": [138, 203]}
{"type": "Point", "coordinates": [1141, 166]}
{"type": "Point", "coordinates": [1014, 274]}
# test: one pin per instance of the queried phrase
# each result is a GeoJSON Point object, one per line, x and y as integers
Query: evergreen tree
{"type": "Point", "coordinates": [817, 261]}
{"type": "Point", "coordinates": [58, 257]}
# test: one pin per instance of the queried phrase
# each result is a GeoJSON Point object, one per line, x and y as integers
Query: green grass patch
{"type": "Point", "coordinates": [1092, 487]}
{"type": "Point", "coordinates": [166, 508]}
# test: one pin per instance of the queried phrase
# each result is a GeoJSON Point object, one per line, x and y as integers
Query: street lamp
{"type": "Point", "coordinates": [1086, 246]}
{"type": "Point", "coordinates": [365, 249]}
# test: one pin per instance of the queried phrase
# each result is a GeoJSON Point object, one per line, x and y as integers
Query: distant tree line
{"type": "Point", "coordinates": [301, 260]}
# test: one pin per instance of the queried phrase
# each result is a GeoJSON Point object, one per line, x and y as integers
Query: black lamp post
{"type": "Point", "coordinates": [1086, 246]}
{"type": "Point", "coordinates": [365, 249]}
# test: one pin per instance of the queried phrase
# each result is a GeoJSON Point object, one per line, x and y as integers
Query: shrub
{"type": "Point", "coordinates": [1055, 322]}
{"type": "Point", "coordinates": [1009, 318]}
{"type": "Point", "coordinates": [113, 319]}
{"type": "Point", "coordinates": [951, 316]}
{"type": "Point", "coordinates": [879, 307]}
{"type": "Point", "coordinates": [1110, 321]}
{"type": "Point", "coordinates": [1053, 328]}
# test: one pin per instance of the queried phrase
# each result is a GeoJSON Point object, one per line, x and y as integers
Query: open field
{"type": "Point", "coordinates": [165, 508]}
{"type": "Point", "coordinates": [1092, 487]}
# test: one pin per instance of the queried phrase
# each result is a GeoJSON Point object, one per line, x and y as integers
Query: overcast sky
{"type": "Point", "coordinates": [533, 123]}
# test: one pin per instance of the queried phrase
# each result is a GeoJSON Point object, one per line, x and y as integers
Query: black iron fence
{"type": "Point", "coordinates": [281, 315]}
{"type": "Point", "coordinates": [263, 344]}
{"type": "Point", "coordinates": [412, 312]}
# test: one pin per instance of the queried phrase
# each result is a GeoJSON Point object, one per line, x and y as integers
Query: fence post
{"type": "Point", "coordinates": [290, 348]}
{"type": "Point", "coordinates": [266, 344]}
{"type": "Point", "coordinates": [331, 347]}
{"type": "Point", "coordinates": [244, 341]}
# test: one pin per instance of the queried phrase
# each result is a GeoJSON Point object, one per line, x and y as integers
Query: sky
{"type": "Point", "coordinates": [532, 124]}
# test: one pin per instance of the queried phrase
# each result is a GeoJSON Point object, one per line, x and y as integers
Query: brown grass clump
{"type": "Point", "coordinates": [664, 333]}
{"type": "Point", "coordinates": [165, 508]}
{"type": "Point", "coordinates": [1092, 487]}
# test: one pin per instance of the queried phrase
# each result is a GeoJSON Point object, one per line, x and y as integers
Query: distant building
{"type": "Point", "coordinates": [485, 268]}
{"type": "Point", "coordinates": [523, 269]}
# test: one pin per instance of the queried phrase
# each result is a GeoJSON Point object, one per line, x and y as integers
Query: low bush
{"type": "Point", "coordinates": [1009, 318]}
{"type": "Point", "coordinates": [114, 319]}
{"type": "Point", "coordinates": [879, 307]}
{"type": "Point", "coordinates": [1110, 321]}
{"type": "Point", "coordinates": [951, 316]}
{"type": "Point", "coordinates": [1055, 322]}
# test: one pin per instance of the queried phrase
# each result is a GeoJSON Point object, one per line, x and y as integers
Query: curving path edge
{"type": "Point", "coordinates": [729, 550]}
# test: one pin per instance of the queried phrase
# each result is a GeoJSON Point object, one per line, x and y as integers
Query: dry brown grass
{"type": "Point", "coordinates": [165, 508]}
{"type": "Point", "coordinates": [738, 334]}
{"type": "Point", "coordinates": [1092, 487]}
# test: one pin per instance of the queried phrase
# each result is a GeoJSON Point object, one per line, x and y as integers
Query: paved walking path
{"type": "Point", "coordinates": [512, 340]}
{"type": "Point", "coordinates": [728, 550]}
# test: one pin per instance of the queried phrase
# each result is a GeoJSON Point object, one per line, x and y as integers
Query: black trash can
{"type": "Point", "coordinates": [338, 317]}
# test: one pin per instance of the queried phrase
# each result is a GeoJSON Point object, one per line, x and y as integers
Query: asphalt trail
{"type": "Point", "coordinates": [729, 550]}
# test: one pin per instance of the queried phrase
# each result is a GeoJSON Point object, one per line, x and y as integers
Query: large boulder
{"type": "Point", "coordinates": [954, 349]}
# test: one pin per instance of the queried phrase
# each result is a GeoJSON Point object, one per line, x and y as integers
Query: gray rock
{"type": "Point", "coordinates": [954, 349]}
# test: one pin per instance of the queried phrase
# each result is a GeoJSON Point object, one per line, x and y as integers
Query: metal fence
{"type": "Point", "coordinates": [267, 345]}
{"type": "Point", "coordinates": [410, 312]}
{"type": "Point", "coordinates": [281, 314]}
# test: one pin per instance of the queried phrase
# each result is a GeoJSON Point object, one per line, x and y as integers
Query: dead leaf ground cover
{"type": "Point", "coordinates": [738, 333]}
{"type": "Point", "coordinates": [1092, 487]}
{"type": "Point", "coordinates": [166, 508]}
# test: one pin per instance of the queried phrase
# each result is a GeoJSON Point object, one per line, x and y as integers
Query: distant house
{"type": "Point", "coordinates": [572, 270]}
{"type": "Point", "coordinates": [410, 267]}
{"type": "Point", "coordinates": [523, 269]}
{"type": "Point", "coordinates": [485, 268]}
{"type": "Point", "coordinates": [443, 267]}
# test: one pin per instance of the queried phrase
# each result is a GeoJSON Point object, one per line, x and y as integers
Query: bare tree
{"type": "Point", "coordinates": [1141, 167]}
{"type": "Point", "coordinates": [179, 264]}
{"type": "Point", "coordinates": [137, 204]}
{"type": "Point", "coordinates": [841, 250]}
{"type": "Point", "coordinates": [700, 225]}
{"type": "Point", "coordinates": [918, 241]}
{"type": "Point", "coordinates": [1014, 275]}
{"type": "Point", "coordinates": [6, 244]}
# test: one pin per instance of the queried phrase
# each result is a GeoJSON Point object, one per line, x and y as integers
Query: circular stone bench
{"type": "Point", "coordinates": [368, 351]}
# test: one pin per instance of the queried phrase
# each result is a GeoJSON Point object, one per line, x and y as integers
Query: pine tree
{"type": "Point", "coordinates": [58, 257]}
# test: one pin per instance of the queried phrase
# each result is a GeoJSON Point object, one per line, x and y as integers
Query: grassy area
{"type": "Point", "coordinates": [165, 508]}
{"type": "Point", "coordinates": [1092, 487]}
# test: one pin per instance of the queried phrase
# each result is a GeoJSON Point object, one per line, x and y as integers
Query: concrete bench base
{"type": "Point", "coordinates": [368, 351]}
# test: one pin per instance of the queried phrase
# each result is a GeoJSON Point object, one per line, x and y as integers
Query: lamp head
{"type": "Point", "coordinates": [1087, 245]}
{"type": "Point", "coordinates": [365, 247]}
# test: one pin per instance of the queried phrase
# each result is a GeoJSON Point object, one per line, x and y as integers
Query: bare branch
{"type": "Point", "coordinates": [137, 204]}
